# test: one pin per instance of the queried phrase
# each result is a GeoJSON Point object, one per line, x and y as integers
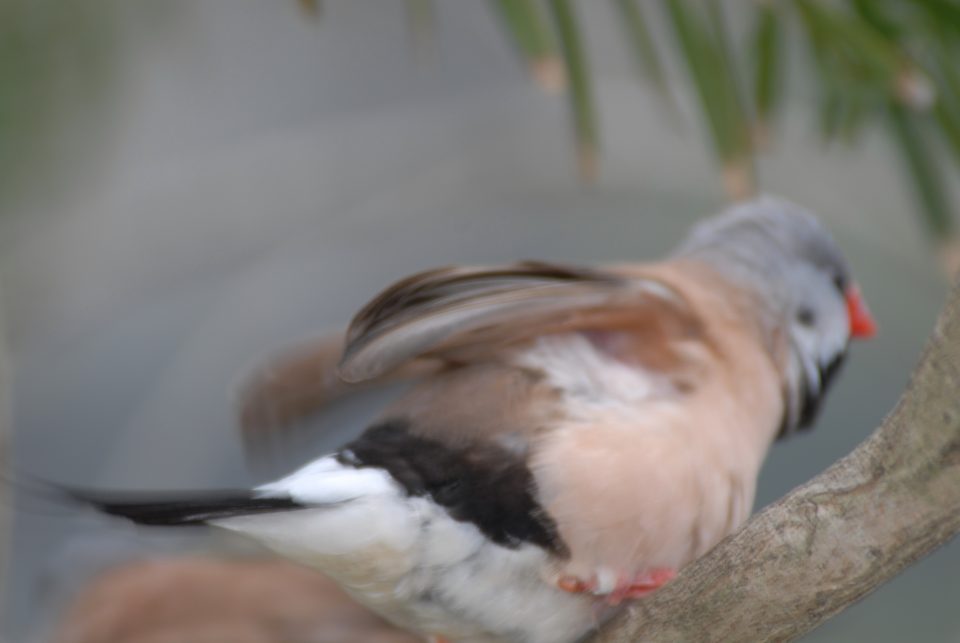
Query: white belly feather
{"type": "Point", "coordinates": [408, 560]}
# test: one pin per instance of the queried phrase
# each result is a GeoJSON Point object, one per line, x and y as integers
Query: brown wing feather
{"type": "Point", "coordinates": [442, 288]}
{"type": "Point", "coordinates": [442, 312]}
{"type": "Point", "coordinates": [300, 381]}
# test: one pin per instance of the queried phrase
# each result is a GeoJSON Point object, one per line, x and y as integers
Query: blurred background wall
{"type": "Point", "coordinates": [190, 186]}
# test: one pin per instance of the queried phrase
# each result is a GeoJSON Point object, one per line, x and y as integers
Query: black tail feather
{"type": "Point", "coordinates": [183, 508]}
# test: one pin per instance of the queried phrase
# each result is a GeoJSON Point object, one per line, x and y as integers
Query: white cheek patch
{"type": "Point", "coordinates": [816, 350]}
{"type": "Point", "coordinates": [835, 334]}
{"type": "Point", "coordinates": [818, 346]}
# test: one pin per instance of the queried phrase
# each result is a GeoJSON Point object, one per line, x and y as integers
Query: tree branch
{"type": "Point", "coordinates": [835, 539]}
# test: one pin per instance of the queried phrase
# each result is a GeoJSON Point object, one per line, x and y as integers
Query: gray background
{"type": "Point", "coordinates": [254, 176]}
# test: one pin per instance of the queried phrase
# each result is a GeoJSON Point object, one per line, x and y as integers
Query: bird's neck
{"type": "Point", "coordinates": [754, 309]}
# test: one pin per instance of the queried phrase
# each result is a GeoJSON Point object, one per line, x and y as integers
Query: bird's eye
{"type": "Point", "coordinates": [806, 316]}
{"type": "Point", "coordinates": [840, 282]}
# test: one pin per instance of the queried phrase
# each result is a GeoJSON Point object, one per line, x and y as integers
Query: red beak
{"type": "Point", "coordinates": [862, 325]}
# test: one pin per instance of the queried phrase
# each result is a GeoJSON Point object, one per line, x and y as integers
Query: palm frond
{"type": "Point", "coordinates": [530, 33]}
{"type": "Point", "coordinates": [580, 87]}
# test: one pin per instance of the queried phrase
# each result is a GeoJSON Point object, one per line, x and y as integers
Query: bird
{"type": "Point", "coordinates": [575, 437]}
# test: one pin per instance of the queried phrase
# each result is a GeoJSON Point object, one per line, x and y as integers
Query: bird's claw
{"type": "Point", "coordinates": [626, 587]}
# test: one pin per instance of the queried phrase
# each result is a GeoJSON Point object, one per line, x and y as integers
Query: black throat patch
{"type": "Point", "coordinates": [811, 402]}
{"type": "Point", "coordinates": [482, 484]}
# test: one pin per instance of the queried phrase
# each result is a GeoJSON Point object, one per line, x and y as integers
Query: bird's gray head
{"type": "Point", "coordinates": [802, 284]}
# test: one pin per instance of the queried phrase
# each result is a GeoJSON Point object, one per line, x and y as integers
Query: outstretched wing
{"type": "Point", "coordinates": [302, 380]}
{"type": "Point", "coordinates": [439, 312]}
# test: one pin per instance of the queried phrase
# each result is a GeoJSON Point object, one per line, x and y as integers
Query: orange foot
{"type": "Point", "coordinates": [625, 587]}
